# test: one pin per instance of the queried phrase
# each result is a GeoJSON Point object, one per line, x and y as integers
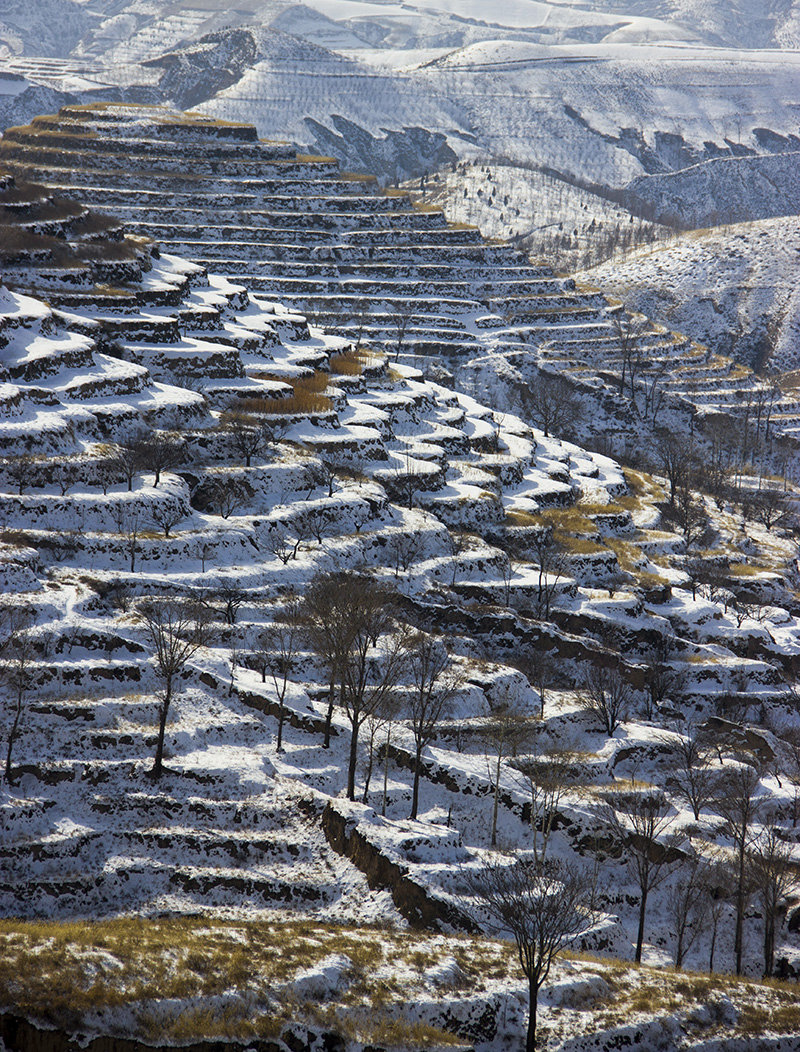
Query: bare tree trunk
{"type": "Point", "coordinates": [162, 726]}
{"type": "Point", "coordinates": [715, 923]}
{"type": "Point", "coordinates": [679, 949]}
{"type": "Point", "coordinates": [281, 717]}
{"type": "Point", "coordinates": [351, 765]}
{"type": "Point", "coordinates": [415, 790]}
{"type": "Point", "coordinates": [738, 943]}
{"type": "Point", "coordinates": [530, 1040]}
{"type": "Point", "coordinates": [326, 744]}
{"type": "Point", "coordinates": [640, 932]}
{"type": "Point", "coordinates": [769, 945]}
{"type": "Point", "coordinates": [368, 771]}
{"type": "Point", "coordinates": [386, 770]}
{"type": "Point", "coordinates": [496, 797]}
{"type": "Point", "coordinates": [12, 735]}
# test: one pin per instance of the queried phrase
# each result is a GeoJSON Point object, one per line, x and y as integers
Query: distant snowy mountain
{"type": "Point", "coordinates": [447, 23]}
{"type": "Point", "coordinates": [678, 112]}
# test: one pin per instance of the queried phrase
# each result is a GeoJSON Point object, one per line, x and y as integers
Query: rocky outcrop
{"type": "Point", "coordinates": [18, 1034]}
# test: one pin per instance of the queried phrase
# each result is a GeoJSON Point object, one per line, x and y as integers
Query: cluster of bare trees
{"type": "Point", "coordinates": [147, 451]}
{"type": "Point", "coordinates": [722, 471]}
{"type": "Point", "coordinates": [550, 402]}
{"type": "Point", "coordinates": [754, 862]}
{"type": "Point", "coordinates": [375, 665]}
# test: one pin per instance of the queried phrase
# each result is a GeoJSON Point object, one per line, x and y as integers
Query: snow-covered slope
{"type": "Point", "coordinates": [429, 294]}
{"type": "Point", "coordinates": [361, 466]}
{"type": "Point", "coordinates": [447, 23]}
{"type": "Point", "coordinates": [734, 288]}
{"type": "Point", "coordinates": [611, 94]}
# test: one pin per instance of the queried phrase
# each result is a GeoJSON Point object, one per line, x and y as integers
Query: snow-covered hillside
{"type": "Point", "coordinates": [566, 225]}
{"type": "Point", "coordinates": [174, 442]}
{"type": "Point", "coordinates": [344, 24]}
{"type": "Point", "coordinates": [479, 315]}
{"type": "Point", "coordinates": [734, 289]}
{"type": "Point", "coordinates": [614, 95]}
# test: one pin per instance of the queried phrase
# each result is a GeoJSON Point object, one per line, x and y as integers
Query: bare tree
{"type": "Point", "coordinates": [161, 452]}
{"type": "Point", "coordinates": [718, 887]}
{"type": "Point", "coordinates": [539, 666]}
{"type": "Point", "coordinates": [692, 777]}
{"type": "Point", "coordinates": [401, 320]}
{"type": "Point", "coordinates": [166, 516]}
{"type": "Point", "coordinates": [606, 695]}
{"type": "Point", "coordinates": [434, 684]}
{"type": "Point", "coordinates": [176, 631]}
{"type": "Point", "coordinates": [249, 436]}
{"type": "Point", "coordinates": [63, 476]}
{"type": "Point", "coordinates": [279, 645]}
{"type": "Point", "coordinates": [652, 387]}
{"type": "Point", "coordinates": [345, 615]}
{"type": "Point", "coordinates": [371, 676]}
{"type": "Point", "coordinates": [324, 612]}
{"type": "Point", "coordinates": [719, 462]}
{"type": "Point", "coordinates": [281, 545]}
{"type": "Point", "coordinates": [774, 876]}
{"type": "Point", "coordinates": [690, 515]}
{"type": "Point", "coordinates": [228, 495]}
{"type": "Point", "coordinates": [381, 717]}
{"type": "Point", "coordinates": [546, 908]}
{"type": "Point", "coordinates": [548, 556]}
{"type": "Point", "coordinates": [403, 548]}
{"type": "Point", "coordinates": [129, 525]}
{"type": "Point", "coordinates": [688, 905]}
{"type": "Point", "coordinates": [628, 332]}
{"type": "Point", "coordinates": [362, 309]}
{"type": "Point", "coordinates": [737, 803]}
{"type": "Point", "coordinates": [676, 456]}
{"type": "Point", "coordinates": [663, 679]}
{"type": "Point", "coordinates": [127, 458]}
{"type": "Point", "coordinates": [547, 776]}
{"type": "Point", "coordinates": [549, 400]}
{"type": "Point", "coordinates": [639, 822]}
{"type": "Point", "coordinates": [457, 544]}
{"type": "Point", "coordinates": [408, 479]}
{"type": "Point", "coordinates": [770, 507]}
{"type": "Point", "coordinates": [18, 654]}
{"type": "Point", "coordinates": [332, 471]}
{"type": "Point", "coordinates": [317, 521]}
{"type": "Point", "coordinates": [18, 470]}
{"type": "Point", "coordinates": [231, 595]}
{"type": "Point", "coordinates": [504, 729]}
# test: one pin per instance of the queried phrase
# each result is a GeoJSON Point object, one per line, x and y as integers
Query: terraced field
{"type": "Point", "coordinates": [370, 265]}
{"type": "Point", "coordinates": [278, 455]}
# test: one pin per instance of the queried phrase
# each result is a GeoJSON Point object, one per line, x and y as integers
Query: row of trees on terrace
{"type": "Point", "coordinates": [354, 625]}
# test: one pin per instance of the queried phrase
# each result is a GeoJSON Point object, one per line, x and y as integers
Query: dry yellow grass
{"type": "Point", "coordinates": [62, 972]}
{"type": "Point", "coordinates": [348, 363]}
{"type": "Point", "coordinates": [232, 980]}
{"type": "Point", "coordinates": [307, 397]}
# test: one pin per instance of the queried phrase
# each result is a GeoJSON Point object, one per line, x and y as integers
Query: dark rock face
{"type": "Point", "coordinates": [20, 1035]}
{"type": "Point", "coordinates": [404, 154]}
{"type": "Point", "coordinates": [193, 74]}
